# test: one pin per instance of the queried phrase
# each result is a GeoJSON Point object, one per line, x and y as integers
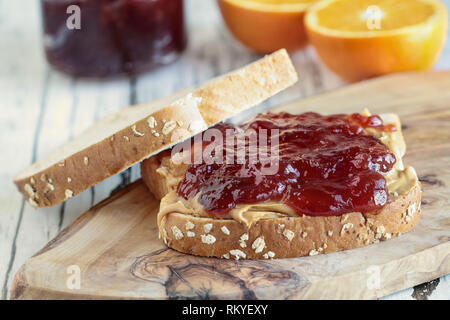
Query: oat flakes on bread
{"type": "Point", "coordinates": [132, 134]}
{"type": "Point", "coordinates": [185, 228]}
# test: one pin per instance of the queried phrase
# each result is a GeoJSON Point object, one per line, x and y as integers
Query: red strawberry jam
{"type": "Point", "coordinates": [327, 165]}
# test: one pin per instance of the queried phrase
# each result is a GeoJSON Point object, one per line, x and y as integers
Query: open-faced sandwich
{"type": "Point", "coordinates": [336, 182]}
{"type": "Point", "coordinates": [279, 185]}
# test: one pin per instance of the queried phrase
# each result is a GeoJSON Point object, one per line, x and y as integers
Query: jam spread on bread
{"type": "Point", "coordinates": [326, 165]}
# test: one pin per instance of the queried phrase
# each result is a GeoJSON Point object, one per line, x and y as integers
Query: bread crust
{"type": "Point", "coordinates": [85, 162]}
{"type": "Point", "coordinates": [291, 236]}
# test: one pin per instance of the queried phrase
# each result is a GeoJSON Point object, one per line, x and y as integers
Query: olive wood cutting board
{"type": "Point", "coordinates": [115, 245]}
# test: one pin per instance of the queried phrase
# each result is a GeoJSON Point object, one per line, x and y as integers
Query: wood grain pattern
{"type": "Point", "coordinates": [116, 248]}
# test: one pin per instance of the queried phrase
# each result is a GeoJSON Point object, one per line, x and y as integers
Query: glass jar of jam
{"type": "Point", "coordinates": [104, 38]}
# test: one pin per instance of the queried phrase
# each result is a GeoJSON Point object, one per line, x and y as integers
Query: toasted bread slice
{"type": "Point", "coordinates": [185, 228]}
{"type": "Point", "coordinates": [135, 133]}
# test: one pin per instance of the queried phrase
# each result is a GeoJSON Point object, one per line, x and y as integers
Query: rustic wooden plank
{"type": "Point", "coordinates": [135, 264]}
{"type": "Point", "coordinates": [38, 227]}
{"type": "Point", "coordinates": [14, 207]}
{"type": "Point", "coordinates": [23, 87]}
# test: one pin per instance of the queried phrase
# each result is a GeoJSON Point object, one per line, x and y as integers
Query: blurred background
{"type": "Point", "coordinates": [46, 104]}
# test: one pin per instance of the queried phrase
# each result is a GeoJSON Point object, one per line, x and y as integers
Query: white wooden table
{"type": "Point", "coordinates": [41, 109]}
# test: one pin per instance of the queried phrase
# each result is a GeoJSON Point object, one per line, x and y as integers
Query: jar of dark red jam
{"type": "Point", "coordinates": [104, 38]}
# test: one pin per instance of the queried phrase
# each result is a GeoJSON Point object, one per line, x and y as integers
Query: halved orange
{"type": "Point", "coordinates": [359, 39]}
{"type": "Point", "coordinates": [267, 25]}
